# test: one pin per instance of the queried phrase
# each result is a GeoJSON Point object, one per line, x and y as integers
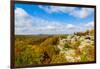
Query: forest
{"type": "Point", "coordinates": [54, 49]}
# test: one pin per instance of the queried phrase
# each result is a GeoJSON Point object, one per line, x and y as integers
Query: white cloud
{"type": "Point", "coordinates": [84, 12]}
{"type": "Point", "coordinates": [50, 27]}
{"type": "Point", "coordinates": [90, 24]}
{"type": "Point", "coordinates": [27, 24]}
{"type": "Point", "coordinates": [74, 11]}
{"type": "Point", "coordinates": [56, 9]}
{"type": "Point", "coordinates": [70, 26]}
{"type": "Point", "coordinates": [20, 12]}
{"type": "Point", "coordinates": [22, 21]}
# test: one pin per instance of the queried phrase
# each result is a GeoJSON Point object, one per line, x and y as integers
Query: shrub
{"type": "Point", "coordinates": [60, 58]}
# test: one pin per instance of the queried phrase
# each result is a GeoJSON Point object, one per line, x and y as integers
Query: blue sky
{"type": "Point", "coordinates": [46, 19]}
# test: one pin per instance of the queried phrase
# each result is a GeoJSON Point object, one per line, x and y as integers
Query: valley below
{"type": "Point", "coordinates": [54, 49]}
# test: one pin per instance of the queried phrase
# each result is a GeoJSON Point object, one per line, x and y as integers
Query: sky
{"type": "Point", "coordinates": [47, 19]}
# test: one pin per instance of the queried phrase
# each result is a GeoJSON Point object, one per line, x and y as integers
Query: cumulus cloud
{"type": "Point", "coordinates": [82, 13]}
{"type": "Point", "coordinates": [71, 26]}
{"type": "Point", "coordinates": [90, 24]}
{"type": "Point", "coordinates": [27, 24]}
{"type": "Point", "coordinates": [56, 9]}
{"type": "Point", "coordinates": [74, 11]}
{"type": "Point", "coordinates": [20, 12]}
